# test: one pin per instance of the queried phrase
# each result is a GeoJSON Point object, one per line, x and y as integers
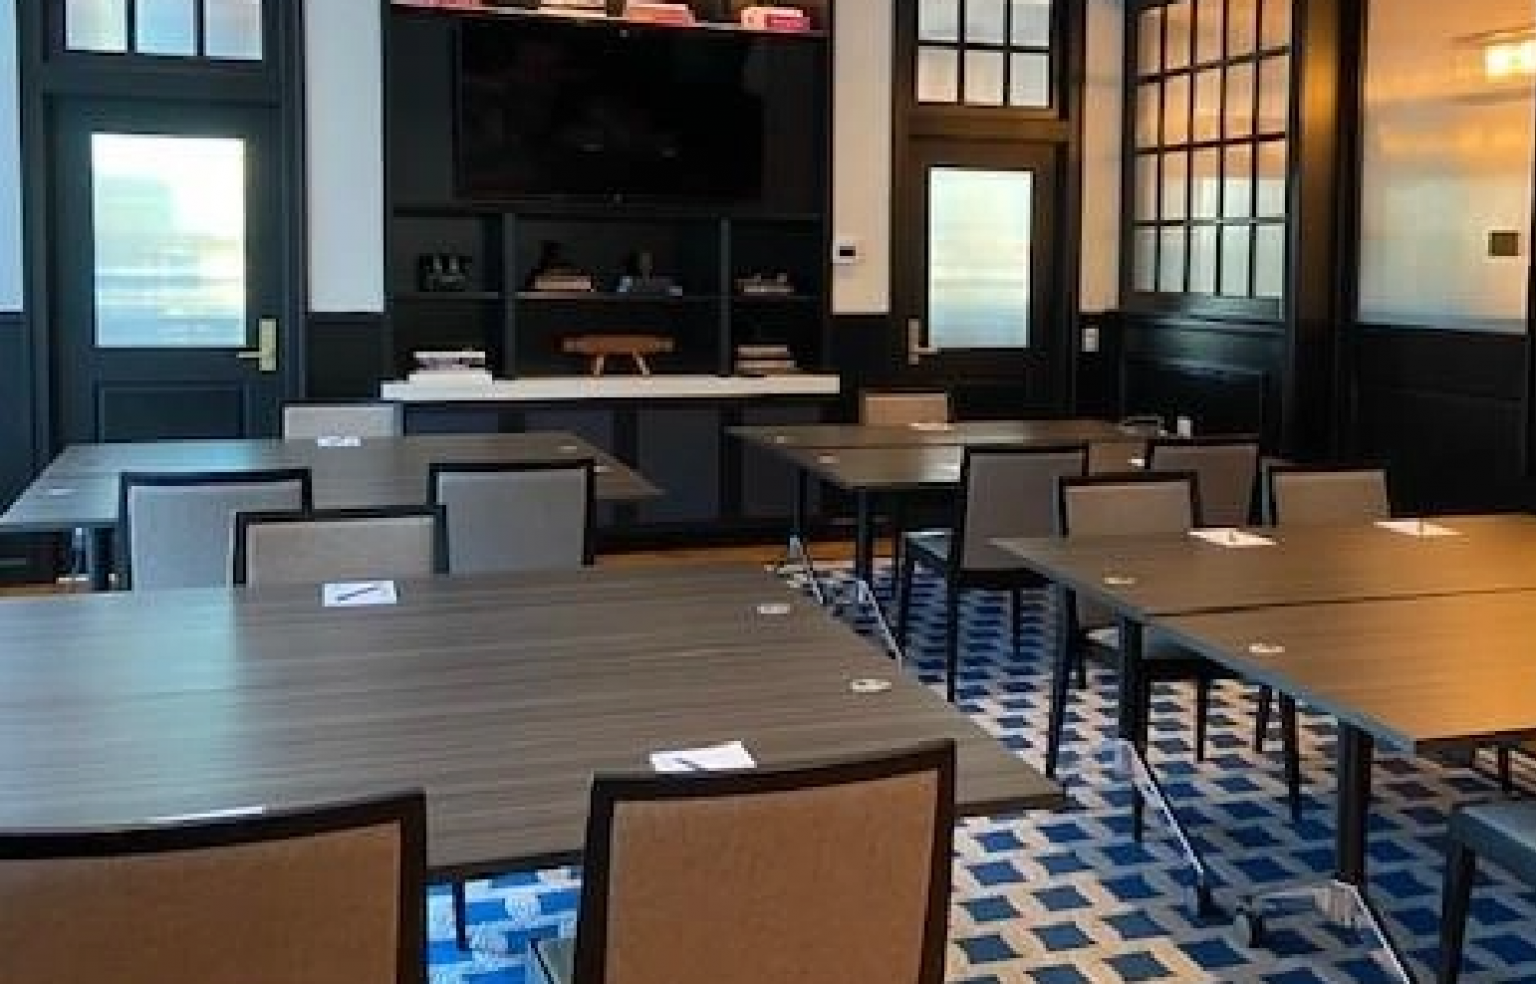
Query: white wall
{"type": "Point", "coordinates": [861, 154]}
{"type": "Point", "coordinates": [10, 165]}
{"type": "Point", "coordinates": [1102, 108]}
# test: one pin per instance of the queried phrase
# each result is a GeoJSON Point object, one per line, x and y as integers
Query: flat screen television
{"type": "Point", "coordinates": [581, 110]}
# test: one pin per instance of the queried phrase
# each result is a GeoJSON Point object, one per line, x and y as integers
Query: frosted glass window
{"type": "Point", "coordinates": [232, 29]}
{"type": "Point", "coordinates": [1178, 36]}
{"type": "Point", "coordinates": [1150, 34]}
{"type": "Point", "coordinates": [984, 78]}
{"type": "Point", "coordinates": [938, 75]}
{"type": "Point", "coordinates": [1146, 186]}
{"type": "Point", "coordinates": [1274, 94]}
{"type": "Point", "coordinates": [1242, 27]}
{"type": "Point", "coordinates": [1210, 29]}
{"type": "Point", "coordinates": [1270, 197]}
{"type": "Point", "coordinates": [96, 25]}
{"type": "Point", "coordinates": [979, 252]}
{"type": "Point", "coordinates": [986, 22]}
{"type": "Point", "coordinates": [1237, 193]}
{"type": "Point", "coordinates": [1205, 188]}
{"type": "Point", "coordinates": [938, 20]}
{"type": "Point", "coordinates": [1208, 105]}
{"type": "Point", "coordinates": [1031, 26]}
{"type": "Point", "coordinates": [1240, 100]}
{"type": "Point", "coordinates": [1176, 109]}
{"type": "Point", "coordinates": [1144, 260]}
{"type": "Point", "coordinates": [1275, 31]}
{"type": "Point", "coordinates": [168, 224]}
{"type": "Point", "coordinates": [1175, 185]}
{"type": "Point", "coordinates": [1148, 112]}
{"type": "Point", "coordinates": [1170, 260]}
{"type": "Point", "coordinates": [165, 27]}
{"type": "Point", "coordinates": [1236, 242]}
{"type": "Point", "coordinates": [1029, 80]}
{"type": "Point", "coordinates": [1268, 260]}
{"type": "Point", "coordinates": [1202, 259]}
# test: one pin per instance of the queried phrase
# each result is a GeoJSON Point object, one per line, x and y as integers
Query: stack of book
{"type": "Point", "coordinates": [764, 360]}
{"type": "Point", "coordinates": [464, 366]}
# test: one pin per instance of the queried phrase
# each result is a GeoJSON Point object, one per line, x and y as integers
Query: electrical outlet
{"type": "Point", "coordinates": [1090, 339]}
{"type": "Point", "coordinates": [846, 250]}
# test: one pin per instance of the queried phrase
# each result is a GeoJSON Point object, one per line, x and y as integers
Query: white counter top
{"type": "Point", "coordinates": [659, 387]}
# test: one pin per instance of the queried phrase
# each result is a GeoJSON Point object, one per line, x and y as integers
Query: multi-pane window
{"type": "Point", "coordinates": [984, 53]}
{"type": "Point", "coordinates": [222, 29]}
{"type": "Point", "coordinates": [1210, 143]}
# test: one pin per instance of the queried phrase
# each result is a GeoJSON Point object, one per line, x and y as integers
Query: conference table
{"type": "Point", "coordinates": [500, 696]}
{"type": "Point", "coordinates": [79, 489]}
{"type": "Point", "coordinates": [1368, 623]}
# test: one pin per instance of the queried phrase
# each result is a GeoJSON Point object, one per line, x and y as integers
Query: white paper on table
{"type": "Point", "coordinates": [713, 758]}
{"type": "Point", "coordinates": [934, 426]}
{"type": "Point", "coordinates": [1415, 527]}
{"type": "Point", "coordinates": [339, 441]}
{"type": "Point", "coordinates": [1226, 536]}
{"type": "Point", "coordinates": [355, 594]}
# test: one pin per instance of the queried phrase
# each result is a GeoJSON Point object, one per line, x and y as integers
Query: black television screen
{"type": "Point", "coordinates": [591, 110]}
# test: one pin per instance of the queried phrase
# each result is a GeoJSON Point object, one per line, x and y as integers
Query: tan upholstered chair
{"type": "Point", "coordinates": [528, 516]}
{"type": "Point", "coordinates": [1005, 492]}
{"type": "Point", "coordinates": [333, 895]}
{"type": "Point", "coordinates": [339, 545]}
{"type": "Point", "coordinates": [1226, 468]}
{"type": "Point", "coordinates": [829, 874]}
{"type": "Point", "coordinates": [1302, 495]}
{"type": "Point", "coordinates": [176, 529]}
{"type": "Point", "coordinates": [361, 418]}
{"type": "Point", "coordinates": [896, 408]}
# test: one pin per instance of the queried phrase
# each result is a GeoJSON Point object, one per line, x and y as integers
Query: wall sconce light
{"type": "Point", "coordinates": [1508, 58]}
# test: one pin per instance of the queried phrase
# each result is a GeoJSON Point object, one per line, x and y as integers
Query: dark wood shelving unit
{"type": "Point", "coordinates": [446, 296]}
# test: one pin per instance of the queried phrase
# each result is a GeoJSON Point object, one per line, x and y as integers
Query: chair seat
{"type": "Point", "coordinates": [1504, 832]}
{"type": "Point", "coordinates": [933, 548]}
{"type": "Point", "coordinates": [553, 962]}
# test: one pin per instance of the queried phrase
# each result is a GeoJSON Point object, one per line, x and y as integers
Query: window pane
{"type": "Point", "coordinates": [1170, 261]}
{"type": "Point", "coordinates": [1276, 28]}
{"type": "Point", "coordinates": [96, 25]}
{"type": "Point", "coordinates": [1210, 29]}
{"type": "Point", "coordinates": [1144, 269]}
{"type": "Point", "coordinates": [1148, 112]}
{"type": "Point", "coordinates": [938, 20]}
{"type": "Point", "coordinates": [1235, 242]}
{"type": "Point", "coordinates": [1205, 195]}
{"type": "Point", "coordinates": [1237, 202]}
{"type": "Point", "coordinates": [1268, 260]}
{"type": "Point", "coordinates": [1149, 58]}
{"type": "Point", "coordinates": [1202, 260]}
{"type": "Point", "coordinates": [984, 78]}
{"type": "Point", "coordinates": [938, 78]}
{"type": "Point", "coordinates": [1239, 100]}
{"type": "Point", "coordinates": [1242, 27]}
{"type": "Point", "coordinates": [979, 248]}
{"type": "Point", "coordinates": [1031, 23]}
{"type": "Point", "coordinates": [1274, 93]}
{"type": "Point", "coordinates": [232, 29]}
{"type": "Point", "coordinates": [1179, 36]}
{"type": "Point", "coordinates": [1146, 186]}
{"type": "Point", "coordinates": [168, 219]}
{"type": "Point", "coordinates": [165, 27]}
{"type": "Point", "coordinates": [1175, 187]}
{"type": "Point", "coordinates": [1208, 105]}
{"type": "Point", "coordinates": [984, 21]}
{"type": "Point", "coordinates": [1176, 110]}
{"type": "Point", "coordinates": [1271, 189]}
{"type": "Point", "coordinates": [1029, 81]}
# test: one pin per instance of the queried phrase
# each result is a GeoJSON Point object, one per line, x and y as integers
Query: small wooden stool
{"type": "Point", "coordinates": [598, 348]}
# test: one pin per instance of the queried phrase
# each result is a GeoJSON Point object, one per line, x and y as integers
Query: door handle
{"type": "Point", "coordinates": [915, 347]}
{"type": "Point", "coordinates": [265, 352]}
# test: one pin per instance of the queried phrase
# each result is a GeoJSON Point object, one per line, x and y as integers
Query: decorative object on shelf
{"type": "Point", "coordinates": [446, 366]}
{"type": "Point", "coordinates": [443, 272]}
{"type": "Point", "coordinates": [553, 272]}
{"type": "Point", "coordinates": [641, 278]}
{"type": "Point", "coordinates": [589, 6]}
{"type": "Point", "coordinates": [597, 348]}
{"type": "Point", "coordinates": [765, 360]}
{"type": "Point", "coordinates": [764, 18]}
{"type": "Point", "coordinates": [650, 12]}
{"type": "Point", "coordinates": [761, 285]}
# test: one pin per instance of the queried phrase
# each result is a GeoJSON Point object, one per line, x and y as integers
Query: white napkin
{"type": "Point", "coordinates": [713, 758]}
{"type": "Point", "coordinates": [1226, 536]}
{"type": "Point", "coordinates": [356, 594]}
{"type": "Point", "coordinates": [1415, 527]}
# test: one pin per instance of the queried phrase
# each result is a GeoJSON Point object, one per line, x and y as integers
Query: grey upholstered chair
{"type": "Point", "coordinates": [1302, 495]}
{"type": "Point", "coordinates": [1136, 503]}
{"type": "Point", "coordinates": [528, 516]}
{"type": "Point", "coordinates": [176, 530]}
{"type": "Point", "coordinates": [895, 408]}
{"type": "Point", "coordinates": [1005, 492]}
{"type": "Point", "coordinates": [332, 895]}
{"type": "Point", "coordinates": [766, 876]}
{"type": "Point", "coordinates": [1113, 457]}
{"type": "Point", "coordinates": [377, 418]}
{"type": "Point", "coordinates": [339, 545]}
{"type": "Point", "coordinates": [1504, 833]}
{"type": "Point", "coordinates": [1227, 469]}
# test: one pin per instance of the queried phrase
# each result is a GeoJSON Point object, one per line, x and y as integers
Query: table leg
{"type": "Point", "coordinates": [98, 557]}
{"type": "Point", "coordinates": [796, 551]}
{"type": "Point", "coordinates": [864, 538]}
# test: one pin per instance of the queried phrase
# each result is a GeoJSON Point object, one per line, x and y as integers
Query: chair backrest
{"type": "Point", "coordinates": [364, 418]}
{"type": "Point", "coordinates": [1010, 492]}
{"type": "Point", "coordinates": [1111, 457]}
{"type": "Point", "coordinates": [895, 408]}
{"type": "Point", "coordinates": [339, 545]}
{"type": "Point", "coordinates": [821, 875]}
{"type": "Point", "coordinates": [1300, 495]}
{"type": "Point", "coordinates": [176, 530]}
{"type": "Point", "coordinates": [332, 895]}
{"type": "Point", "coordinates": [528, 516]}
{"type": "Point", "coordinates": [1227, 469]}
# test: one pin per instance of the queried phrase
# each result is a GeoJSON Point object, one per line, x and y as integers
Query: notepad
{"type": "Point", "coordinates": [358, 594]}
{"type": "Point", "coordinates": [339, 441]}
{"type": "Point", "coordinates": [1230, 537]}
{"type": "Point", "coordinates": [713, 758]}
{"type": "Point", "coordinates": [1415, 527]}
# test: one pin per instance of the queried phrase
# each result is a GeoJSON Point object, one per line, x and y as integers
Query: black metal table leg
{"type": "Point", "coordinates": [98, 557]}
{"type": "Point", "coordinates": [864, 538]}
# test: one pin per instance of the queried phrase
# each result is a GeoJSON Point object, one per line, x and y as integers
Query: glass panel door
{"type": "Point", "coordinates": [979, 245]}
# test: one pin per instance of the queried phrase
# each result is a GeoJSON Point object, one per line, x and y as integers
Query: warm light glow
{"type": "Point", "coordinates": [1503, 59]}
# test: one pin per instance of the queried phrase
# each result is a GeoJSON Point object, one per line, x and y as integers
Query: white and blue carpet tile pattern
{"type": "Point", "coordinates": [1071, 898]}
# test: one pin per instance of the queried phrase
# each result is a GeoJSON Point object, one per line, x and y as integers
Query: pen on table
{"type": "Point", "coordinates": [689, 763]}
{"type": "Point", "coordinates": [356, 592]}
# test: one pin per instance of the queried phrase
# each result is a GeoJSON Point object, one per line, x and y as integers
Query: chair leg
{"type": "Point", "coordinates": [1506, 769]}
{"type": "Point", "coordinates": [1016, 619]}
{"type": "Point", "coordinates": [1261, 718]}
{"type": "Point", "coordinates": [1060, 682]}
{"type": "Point", "coordinates": [460, 916]}
{"type": "Point", "coordinates": [1080, 667]}
{"type": "Point", "coordinates": [1460, 872]}
{"type": "Point", "coordinates": [904, 597]}
{"type": "Point", "coordinates": [1291, 745]}
{"type": "Point", "coordinates": [952, 640]}
{"type": "Point", "coordinates": [1202, 715]}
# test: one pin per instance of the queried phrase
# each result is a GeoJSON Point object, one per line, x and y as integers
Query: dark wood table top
{"type": "Point", "coordinates": [499, 695]}
{"type": "Point", "coordinates": [923, 435]}
{"type": "Point", "coordinates": [79, 489]}
{"type": "Point", "coordinates": [1145, 577]}
{"type": "Point", "coordinates": [1415, 673]}
{"type": "Point", "coordinates": [876, 469]}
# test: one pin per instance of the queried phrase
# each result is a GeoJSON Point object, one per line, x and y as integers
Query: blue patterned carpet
{"type": "Point", "coordinates": [1069, 898]}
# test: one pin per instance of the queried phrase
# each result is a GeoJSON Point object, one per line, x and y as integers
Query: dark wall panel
{"type": "Point", "coordinates": [22, 558]}
{"type": "Point", "coordinates": [346, 355]}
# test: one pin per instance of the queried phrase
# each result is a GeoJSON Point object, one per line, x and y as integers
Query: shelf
{"type": "Point", "coordinates": [606, 297]}
{"type": "Point", "coordinates": [593, 17]}
{"type": "Point", "coordinates": [775, 299]}
{"type": "Point", "coordinates": [437, 296]}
